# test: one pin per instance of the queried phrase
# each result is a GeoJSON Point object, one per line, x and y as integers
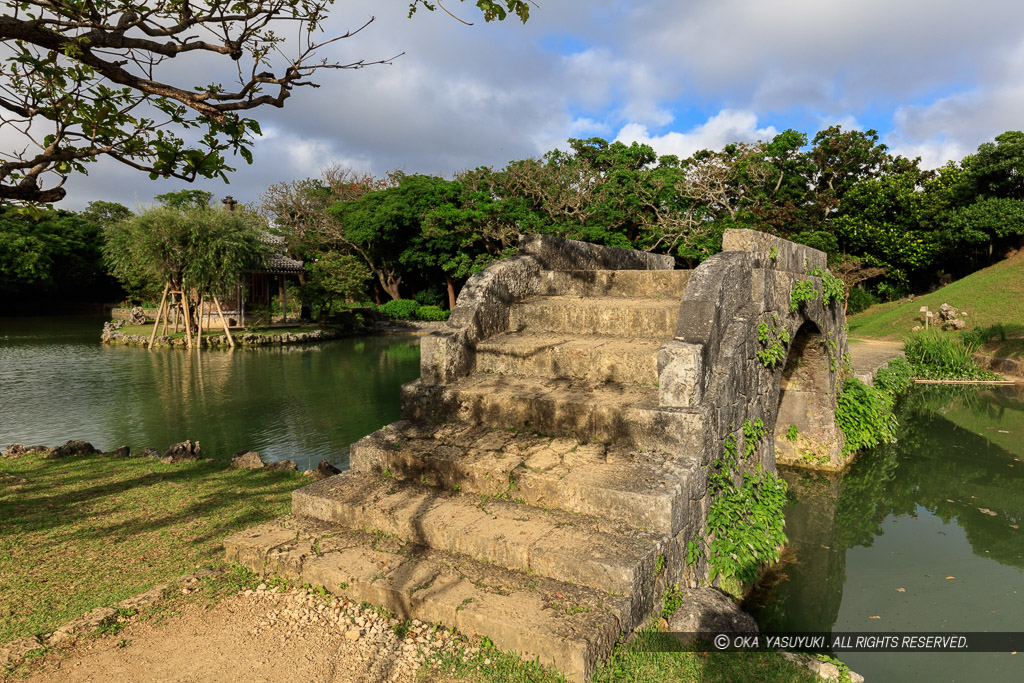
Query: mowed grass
{"type": "Point", "coordinates": [85, 532]}
{"type": "Point", "coordinates": [994, 295]}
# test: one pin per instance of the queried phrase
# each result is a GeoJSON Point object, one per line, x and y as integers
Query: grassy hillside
{"type": "Point", "coordinates": [991, 296]}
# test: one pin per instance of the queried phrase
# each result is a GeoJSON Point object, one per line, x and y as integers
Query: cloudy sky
{"type": "Point", "coordinates": [934, 77]}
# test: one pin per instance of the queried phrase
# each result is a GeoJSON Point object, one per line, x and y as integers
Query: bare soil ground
{"type": "Point", "coordinates": [256, 635]}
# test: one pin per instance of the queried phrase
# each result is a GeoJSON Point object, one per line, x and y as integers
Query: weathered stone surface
{"type": "Point", "coordinates": [16, 450]}
{"type": "Point", "coordinates": [120, 452]}
{"type": "Point", "coordinates": [149, 453]}
{"type": "Point", "coordinates": [247, 460]}
{"type": "Point", "coordinates": [322, 471]}
{"type": "Point", "coordinates": [186, 451]}
{"type": "Point", "coordinates": [655, 284]}
{"type": "Point", "coordinates": [71, 449]}
{"type": "Point", "coordinates": [554, 253]}
{"type": "Point", "coordinates": [610, 316]}
{"type": "Point", "coordinates": [709, 610]}
{"type": "Point", "coordinates": [282, 465]}
{"type": "Point", "coordinates": [563, 625]}
{"type": "Point", "coordinates": [788, 256]}
{"type": "Point", "coordinates": [555, 447]}
{"type": "Point", "coordinates": [571, 356]}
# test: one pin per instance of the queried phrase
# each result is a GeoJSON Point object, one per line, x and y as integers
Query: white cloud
{"type": "Point", "coordinates": [724, 127]}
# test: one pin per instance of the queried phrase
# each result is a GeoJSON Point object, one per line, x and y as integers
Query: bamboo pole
{"type": "Point", "coordinates": [223, 322]}
{"type": "Point", "coordinates": [159, 312]}
{"type": "Point", "coordinates": [184, 313]}
{"type": "Point", "coordinates": [199, 321]}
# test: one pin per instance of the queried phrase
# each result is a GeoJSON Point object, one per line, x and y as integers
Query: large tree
{"type": "Point", "coordinates": [84, 79]}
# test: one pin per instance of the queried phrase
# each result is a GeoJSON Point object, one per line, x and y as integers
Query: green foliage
{"type": "Point", "coordinates": [792, 433]}
{"type": "Point", "coordinates": [803, 291]}
{"type": "Point", "coordinates": [832, 289]}
{"type": "Point", "coordinates": [895, 378]}
{"type": "Point", "coordinates": [432, 313]}
{"type": "Point", "coordinates": [860, 299]}
{"type": "Point", "coordinates": [773, 341]}
{"type": "Point", "coordinates": [745, 521]}
{"type": "Point", "coordinates": [332, 275]}
{"type": "Point", "coordinates": [205, 248]}
{"type": "Point", "coordinates": [672, 602]}
{"type": "Point", "coordinates": [693, 553]}
{"type": "Point", "coordinates": [401, 309]}
{"type": "Point", "coordinates": [47, 253]}
{"type": "Point", "coordinates": [747, 525]}
{"type": "Point", "coordinates": [865, 416]}
{"type": "Point", "coordinates": [66, 84]}
{"type": "Point", "coordinates": [935, 354]}
{"type": "Point", "coordinates": [753, 432]}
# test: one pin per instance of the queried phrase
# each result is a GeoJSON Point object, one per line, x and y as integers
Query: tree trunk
{"type": "Point", "coordinates": [451, 291]}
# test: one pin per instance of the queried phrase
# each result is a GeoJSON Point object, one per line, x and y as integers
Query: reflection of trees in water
{"type": "Point", "coordinates": [937, 464]}
{"type": "Point", "coordinates": [936, 461]}
{"type": "Point", "coordinates": [309, 396]}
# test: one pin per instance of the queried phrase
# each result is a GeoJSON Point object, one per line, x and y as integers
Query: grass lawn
{"type": "Point", "coordinates": [86, 532]}
{"type": "Point", "coordinates": [990, 296]}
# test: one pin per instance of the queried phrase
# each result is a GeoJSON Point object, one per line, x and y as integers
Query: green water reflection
{"type": "Point", "coordinates": [873, 550]}
{"type": "Point", "coordinates": [304, 402]}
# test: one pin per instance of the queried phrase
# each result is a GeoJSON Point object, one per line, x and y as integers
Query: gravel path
{"type": "Point", "coordinates": [258, 635]}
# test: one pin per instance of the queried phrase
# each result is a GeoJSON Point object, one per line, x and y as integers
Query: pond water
{"type": "Point", "coordinates": [907, 540]}
{"type": "Point", "coordinates": [302, 402]}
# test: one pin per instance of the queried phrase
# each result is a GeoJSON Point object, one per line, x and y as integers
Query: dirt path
{"type": "Point", "coordinates": [868, 355]}
{"type": "Point", "coordinates": [258, 635]}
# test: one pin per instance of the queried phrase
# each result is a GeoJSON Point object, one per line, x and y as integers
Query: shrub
{"type": "Point", "coordinates": [429, 297]}
{"type": "Point", "coordinates": [431, 313]}
{"type": "Point", "coordinates": [860, 300]}
{"type": "Point", "coordinates": [935, 354]}
{"type": "Point", "coordinates": [864, 414]}
{"type": "Point", "coordinates": [402, 309]}
{"type": "Point", "coordinates": [895, 377]}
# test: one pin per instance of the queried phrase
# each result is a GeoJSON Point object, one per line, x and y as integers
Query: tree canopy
{"type": "Point", "coordinates": [91, 79]}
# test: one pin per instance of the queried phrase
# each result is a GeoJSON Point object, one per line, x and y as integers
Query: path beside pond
{"type": "Point", "coordinates": [868, 356]}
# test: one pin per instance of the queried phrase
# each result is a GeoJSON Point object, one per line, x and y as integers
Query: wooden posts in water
{"type": "Point", "coordinates": [159, 312]}
{"type": "Point", "coordinates": [224, 322]}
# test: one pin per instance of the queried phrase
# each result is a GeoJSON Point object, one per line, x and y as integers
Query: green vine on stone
{"type": "Point", "coordinates": [832, 289]}
{"type": "Point", "coordinates": [773, 340]}
{"type": "Point", "coordinates": [745, 520]}
{"type": "Point", "coordinates": [803, 291]}
{"type": "Point", "coordinates": [753, 432]}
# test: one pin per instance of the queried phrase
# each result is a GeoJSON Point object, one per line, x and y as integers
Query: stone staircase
{"type": "Point", "coordinates": [543, 499]}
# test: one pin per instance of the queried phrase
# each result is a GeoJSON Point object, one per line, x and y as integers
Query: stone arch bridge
{"type": "Point", "coordinates": [550, 467]}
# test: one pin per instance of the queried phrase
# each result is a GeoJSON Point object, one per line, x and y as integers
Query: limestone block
{"type": "Point", "coordinates": [680, 374]}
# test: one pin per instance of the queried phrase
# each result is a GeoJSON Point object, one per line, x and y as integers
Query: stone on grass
{"type": "Point", "coordinates": [186, 451]}
{"type": "Point", "coordinates": [283, 465]}
{"type": "Point", "coordinates": [72, 448]}
{"type": "Point", "coordinates": [120, 452]}
{"type": "Point", "coordinates": [148, 453]}
{"type": "Point", "coordinates": [707, 610]}
{"type": "Point", "coordinates": [247, 460]}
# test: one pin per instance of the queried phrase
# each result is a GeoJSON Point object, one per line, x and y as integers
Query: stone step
{"type": "Point", "coordinates": [618, 414]}
{"type": "Point", "coordinates": [594, 359]}
{"type": "Point", "coordinates": [628, 317]}
{"type": "Point", "coordinates": [559, 545]}
{"type": "Point", "coordinates": [642, 490]}
{"type": "Point", "coordinates": [566, 626]}
{"type": "Point", "coordinates": [639, 283]}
